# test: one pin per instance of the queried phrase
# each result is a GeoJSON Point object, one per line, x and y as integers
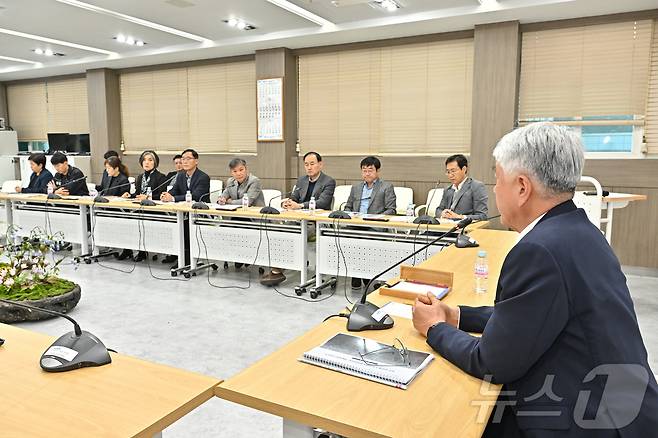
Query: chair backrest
{"type": "Point", "coordinates": [590, 203]}
{"type": "Point", "coordinates": [270, 194]}
{"type": "Point", "coordinates": [91, 187]}
{"type": "Point", "coordinates": [216, 186]}
{"type": "Point", "coordinates": [433, 200]}
{"type": "Point", "coordinates": [10, 185]}
{"type": "Point", "coordinates": [403, 197]}
{"type": "Point", "coordinates": [340, 196]}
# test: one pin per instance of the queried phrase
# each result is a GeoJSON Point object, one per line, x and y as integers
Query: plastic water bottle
{"type": "Point", "coordinates": [188, 197]}
{"type": "Point", "coordinates": [410, 210]}
{"type": "Point", "coordinates": [245, 201]}
{"type": "Point", "coordinates": [481, 272]}
{"type": "Point", "coordinates": [311, 205]}
{"type": "Point", "coordinates": [149, 193]}
{"type": "Point", "coordinates": [93, 193]}
{"type": "Point", "coordinates": [50, 189]}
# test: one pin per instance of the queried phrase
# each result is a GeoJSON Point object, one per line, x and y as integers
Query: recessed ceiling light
{"type": "Point", "coordinates": [46, 52]}
{"type": "Point", "coordinates": [387, 5]}
{"type": "Point", "coordinates": [298, 10]}
{"type": "Point", "coordinates": [120, 38]}
{"type": "Point", "coordinates": [131, 41]}
{"type": "Point", "coordinates": [55, 42]}
{"type": "Point", "coordinates": [130, 18]}
{"type": "Point", "coordinates": [488, 3]}
{"type": "Point", "coordinates": [139, 43]}
{"type": "Point", "coordinates": [240, 24]}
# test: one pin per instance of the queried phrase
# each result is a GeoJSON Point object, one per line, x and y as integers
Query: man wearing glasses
{"type": "Point", "coordinates": [192, 178]}
{"type": "Point", "coordinates": [465, 197]}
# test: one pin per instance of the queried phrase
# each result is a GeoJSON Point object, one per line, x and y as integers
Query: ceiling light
{"type": "Point", "coordinates": [240, 24]}
{"type": "Point", "coordinates": [120, 38]}
{"type": "Point", "coordinates": [48, 52]}
{"type": "Point", "coordinates": [310, 16]}
{"type": "Point", "coordinates": [26, 61]}
{"type": "Point", "coordinates": [55, 42]}
{"type": "Point", "coordinates": [130, 41]}
{"type": "Point", "coordinates": [130, 18]}
{"type": "Point", "coordinates": [139, 43]}
{"type": "Point", "coordinates": [38, 51]}
{"type": "Point", "coordinates": [488, 3]}
{"type": "Point", "coordinates": [389, 5]}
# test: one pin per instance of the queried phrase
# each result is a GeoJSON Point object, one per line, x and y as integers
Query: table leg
{"type": "Point", "coordinates": [157, 435]}
{"type": "Point", "coordinates": [292, 429]}
{"type": "Point", "coordinates": [180, 218]}
{"type": "Point", "coordinates": [9, 212]}
{"type": "Point", "coordinates": [608, 225]}
{"type": "Point", "coordinates": [304, 250]}
{"type": "Point", "coordinates": [84, 240]}
{"type": "Point", "coordinates": [318, 276]}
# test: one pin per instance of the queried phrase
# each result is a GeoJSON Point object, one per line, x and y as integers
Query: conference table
{"type": "Point", "coordinates": [441, 401]}
{"type": "Point", "coordinates": [128, 398]}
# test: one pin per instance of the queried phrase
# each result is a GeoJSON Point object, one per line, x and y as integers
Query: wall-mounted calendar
{"type": "Point", "coordinates": [270, 109]}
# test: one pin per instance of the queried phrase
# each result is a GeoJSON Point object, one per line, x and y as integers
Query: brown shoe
{"type": "Point", "coordinates": [272, 278]}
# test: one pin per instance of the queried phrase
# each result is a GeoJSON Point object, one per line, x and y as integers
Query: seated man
{"type": "Point", "coordinates": [314, 184]}
{"type": "Point", "coordinates": [40, 175]}
{"type": "Point", "coordinates": [241, 183]}
{"type": "Point", "coordinates": [372, 196]}
{"type": "Point", "coordinates": [562, 337]}
{"type": "Point", "coordinates": [190, 179]}
{"type": "Point", "coordinates": [68, 180]}
{"type": "Point", "coordinates": [178, 166]}
{"type": "Point", "coordinates": [466, 197]}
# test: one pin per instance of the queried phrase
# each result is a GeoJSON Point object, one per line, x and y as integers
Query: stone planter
{"type": "Point", "coordinates": [61, 303]}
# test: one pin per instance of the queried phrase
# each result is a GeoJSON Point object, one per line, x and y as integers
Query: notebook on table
{"type": "Point", "coordinates": [392, 365]}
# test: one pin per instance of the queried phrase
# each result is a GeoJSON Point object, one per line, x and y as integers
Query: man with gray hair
{"type": "Point", "coordinates": [562, 337]}
{"type": "Point", "coordinates": [241, 183]}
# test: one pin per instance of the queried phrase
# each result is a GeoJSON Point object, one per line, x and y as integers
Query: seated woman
{"type": "Point", "coordinates": [40, 175]}
{"type": "Point", "coordinates": [149, 184]}
{"type": "Point", "coordinates": [116, 183]}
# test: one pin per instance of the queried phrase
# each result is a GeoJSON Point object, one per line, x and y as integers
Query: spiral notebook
{"type": "Point", "coordinates": [369, 359]}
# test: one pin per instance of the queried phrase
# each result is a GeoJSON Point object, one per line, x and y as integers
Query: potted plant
{"type": "Point", "coordinates": [29, 272]}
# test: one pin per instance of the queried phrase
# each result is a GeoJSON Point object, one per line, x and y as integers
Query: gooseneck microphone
{"type": "Point", "coordinates": [56, 196]}
{"type": "Point", "coordinates": [200, 205]}
{"type": "Point", "coordinates": [271, 210]}
{"type": "Point", "coordinates": [341, 214]}
{"type": "Point", "coordinates": [149, 202]}
{"type": "Point", "coordinates": [101, 199]}
{"type": "Point", "coordinates": [73, 350]}
{"type": "Point", "coordinates": [360, 318]}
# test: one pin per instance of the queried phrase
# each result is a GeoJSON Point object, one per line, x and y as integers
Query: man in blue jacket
{"type": "Point", "coordinates": [562, 337]}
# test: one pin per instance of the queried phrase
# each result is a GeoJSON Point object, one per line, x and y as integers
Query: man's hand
{"type": "Point", "coordinates": [428, 310]}
{"type": "Point", "coordinates": [289, 204]}
{"type": "Point", "coordinates": [166, 197]}
{"type": "Point", "coordinates": [449, 214]}
{"type": "Point", "coordinates": [138, 197]}
{"type": "Point", "coordinates": [62, 191]}
{"type": "Point", "coordinates": [19, 189]}
{"type": "Point", "coordinates": [221, 200]}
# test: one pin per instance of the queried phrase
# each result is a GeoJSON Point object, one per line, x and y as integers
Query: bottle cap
{"type": "Point", "coordinates": [482, 253]}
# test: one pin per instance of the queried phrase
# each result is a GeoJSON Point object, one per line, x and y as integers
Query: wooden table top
{"type": "Point", "coordinates": [129, 397]}
{"type": "Point", "coordinates": [623, 197]}
{"type": "Point", "coordinates": [438, 401]}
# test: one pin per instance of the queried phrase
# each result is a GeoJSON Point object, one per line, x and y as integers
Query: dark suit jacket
{"type": "Point", "coordinates": [104, 181]}
{"type": "Point", "coordinates": [382, 199]}
{"type": "Point", "coordinates": [156, 183]}
{"type": "Point", "coordinates": [562, 308]}
{"type": "Point", "coordinates": [115, 185]}
{"type": "Point", "coordinates": [78, 188]}
{"type": "Point", "coordinates": [471, 200]}
{"type": "Point", "coordinates": [323, 191]}
{"type": "Point", "coordinates": [38, 184]}
{"type": "Point", "coordinates": [199, 186]}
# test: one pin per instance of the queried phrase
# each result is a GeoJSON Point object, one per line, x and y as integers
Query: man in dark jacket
{"type": "Point", "coordinates": [69, 180]}
{"type": "Point", "coordinates": [562, 337]}
{"type": "Point", "coordinates": [191, 179]}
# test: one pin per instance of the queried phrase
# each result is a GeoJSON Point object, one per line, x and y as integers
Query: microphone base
{"type": "Point", "coordinates": [361, 319]}
{"type": "Point", "coordinates": [339, 214]}
{"type": "Point", "coordinates": [54, 196]}
{"type": "Point", "coordinates": [101, 199]}
{"type": "Point", "coordinates": [85, 350]}
{"type": "Point", "coordinates": [269, 210]}
{"type": "Point", "coordinates": [200, 206]}
{"type": "Point", "coordinates": [147, 203]}
{"type": "Point", "coordinates": [464, 241]}
{"type": "Point", "coordinates": [426, 219]}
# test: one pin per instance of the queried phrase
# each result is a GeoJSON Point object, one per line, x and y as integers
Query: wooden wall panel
{"type": "Point", "coordinates": [635, 229]}
{"type": "Point", "coordinates": [496, 69]}
{"type": "Point", "coordinates": [3, 102]}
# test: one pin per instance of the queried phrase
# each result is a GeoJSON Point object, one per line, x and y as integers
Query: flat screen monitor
{"type": "Point", "coordinates": [57, 142]}
{"type": "Point", "coordinates": [78, 143]}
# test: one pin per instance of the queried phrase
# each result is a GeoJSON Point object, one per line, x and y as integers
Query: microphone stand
{"type": "Point", "coordinates": [360, 318]}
